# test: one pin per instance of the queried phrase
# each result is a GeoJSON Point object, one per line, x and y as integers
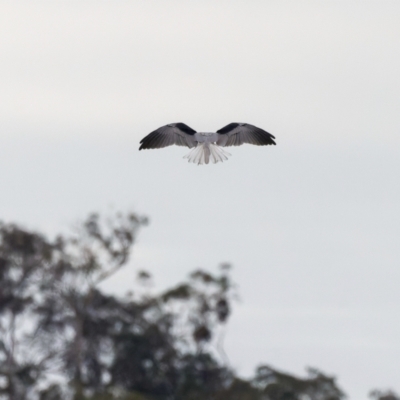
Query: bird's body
{"type": "Point", "coordinates": [206, 146]}
{"type": "Point", "coordinates": [206, 137]}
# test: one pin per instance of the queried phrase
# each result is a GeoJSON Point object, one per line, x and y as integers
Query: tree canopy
{"type": "Point", "coordinates": [63, 337]}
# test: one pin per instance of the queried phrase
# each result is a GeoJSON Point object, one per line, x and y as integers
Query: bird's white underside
{"type": "Point", "coordinates": [206, 137]}
{"type": "Point", "coordinates": [205, 152]}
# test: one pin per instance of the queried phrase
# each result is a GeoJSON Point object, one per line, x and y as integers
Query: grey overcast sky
{"type": "Point", "coordinates": [311, 226]}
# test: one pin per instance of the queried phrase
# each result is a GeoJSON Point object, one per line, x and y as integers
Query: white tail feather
{"type": "Point", "coordinates": [203, 152]}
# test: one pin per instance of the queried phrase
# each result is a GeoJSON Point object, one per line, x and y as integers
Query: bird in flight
{"type": "Point", "coordinates": [206, 146]}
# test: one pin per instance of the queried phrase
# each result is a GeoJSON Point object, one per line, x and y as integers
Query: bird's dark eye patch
{"type": "Point", "coordinates": [187, 129]}
{"type": "Point", "coordinates": [228, 128]}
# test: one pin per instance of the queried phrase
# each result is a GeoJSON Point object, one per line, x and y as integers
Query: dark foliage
{"type": "Point", "coordinates": [384, 395]}
{"type": "Point", "coordinates": [63, 338]}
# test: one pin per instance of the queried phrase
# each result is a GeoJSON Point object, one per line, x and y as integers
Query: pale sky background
{"type": "Point", "coordinates": [311, 226]}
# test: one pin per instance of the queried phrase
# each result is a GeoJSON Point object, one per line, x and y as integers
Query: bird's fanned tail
{"type": "Point", "coordinates": [204, 152]}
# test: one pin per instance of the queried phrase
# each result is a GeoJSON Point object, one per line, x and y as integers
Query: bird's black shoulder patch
{"type": "Point", "coordinates": [228, 128]}
{"type": "Point", "coordinates": [184, 128]}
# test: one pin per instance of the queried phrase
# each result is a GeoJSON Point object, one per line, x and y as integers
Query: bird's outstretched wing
{"type": "Point", "coordinates": [177, 133]}
{"type": "Point", "coordinates": [235, 134]}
